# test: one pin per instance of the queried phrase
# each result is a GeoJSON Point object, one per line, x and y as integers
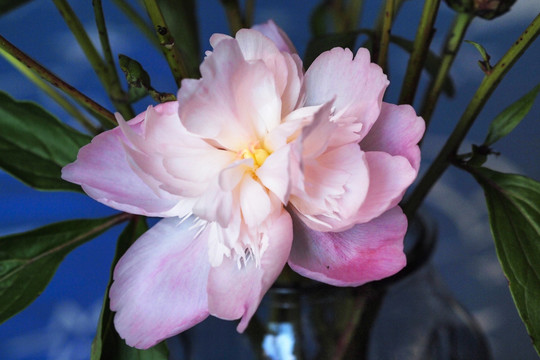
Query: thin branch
{"type": "Point", "coordinates": [421, 44]}
{"type": "Point", "coordinates": [47, 89]}
{"type": "Point", "coordinates": [138, 20]}
{"type": "Point", "coordinates": [451, 47]}
{"type": "Point", "coordinates": [104, 116]}
{"type": "Point", "coordinates": [170, 50]}
{"type": "Point", "coordinates": [384, 34]}
{"type": "Point", "coordinates": [234, 15]}
{"type": "Point", "coordinates": [484, 91]}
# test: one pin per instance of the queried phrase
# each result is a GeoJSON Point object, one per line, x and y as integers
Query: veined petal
{"type": "Point", "coordinates": [357, 85]}
{"type": "Point", "coordinates": [159, 287]}
{"type": "Point", "coordinates": [397, 131]}
{"type": "Point", "coordinates": [364, 253]}
{"type": "Point", "coordinates": [235, 289]}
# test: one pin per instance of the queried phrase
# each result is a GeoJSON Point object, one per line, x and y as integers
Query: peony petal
{"type": "Point", "coordinates": [159, 287]}
{"type": "Point", "coordinates": [254, 202]}
{"type": "Point", "coordinates": [397, 131]}
{"type": "Point", "coordinates": [235, 291]}
{"type": "Point", "coordinates": [356, 84]}
{"type": "Point", "coordinates": [275, 173]}
{"type": "Point", "coordinates": [103, 170]}
{"type": "Point", "coordinates": [389, 177]}
{"type": "Point", "coordinates": [277, 35]}
{"type": "Point", "coordinates": [364, 253]}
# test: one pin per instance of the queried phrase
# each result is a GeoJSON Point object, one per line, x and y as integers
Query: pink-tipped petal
{"type": "Point", "coordinates": [357, 85]}
{"type": "Point", "coordinates": [159, 287]}
{"type": "Point", "coordinates": [364, 253]}
{"type": "Point", "coordinates": [397, 131]}
{"type": "Point", "coordinates": [235, 291]}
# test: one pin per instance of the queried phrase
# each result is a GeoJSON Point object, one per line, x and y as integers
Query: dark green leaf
{"type": "Point", "coordinates": [507, 120]}
{"type": "Point", "coordinates": [107, 343]}
{"type": "Point", "coordinates": [29, 260]}
{"type": "Point", "coordinates": [513, 203]}
{"type": "Point", "coordinates": [35, 145]}
{"type": "Point", "coordinates": [8, 5]}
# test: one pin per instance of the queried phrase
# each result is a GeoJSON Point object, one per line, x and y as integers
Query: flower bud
{"type": "Point", "coordinates": [487, 9]}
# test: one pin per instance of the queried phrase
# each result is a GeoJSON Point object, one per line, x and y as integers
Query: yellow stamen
{"type": "Point", "coordinates": [256, 153]}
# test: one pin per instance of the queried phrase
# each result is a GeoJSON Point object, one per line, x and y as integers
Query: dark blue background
{"type": "Point", "coordinates": [61, 323]}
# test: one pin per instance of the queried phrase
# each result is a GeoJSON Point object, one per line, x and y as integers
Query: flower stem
{"type": "Point", "coordinates": [106, 75]}
{"type": "Point", "coordinates": [234, 15]}
{"type": "Point", "coordinates": [113, 86]}
{"type": "Point", "coordinates": [484, 91]}
{"type": "Point", "coordinates": [60, 100]}
{"type": "Point", "coordinates": [104, 116]}
{"type": "Point", "coordinates": [173, 55]}
{"type": "Point", "coordinates": [354, 13]}
{"type": "Point", "coordinates": [422, 40]}
{"type": "Point", "coordinates": [451, 47]}
{"type": "Point", "coordinates": [384, 34]}
{"type": "Point", "coordinates": [249, 12]}
{"type": "Point", "coordinates": [138, 20]}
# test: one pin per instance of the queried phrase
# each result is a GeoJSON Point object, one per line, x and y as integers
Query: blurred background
{"type": "Point", "coordinates": [61, 323]}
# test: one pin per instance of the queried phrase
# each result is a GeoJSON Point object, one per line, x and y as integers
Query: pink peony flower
{"type": "Point", "coordinates": [250, 151]}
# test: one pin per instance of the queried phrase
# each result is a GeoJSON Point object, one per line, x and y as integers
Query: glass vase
{"type": "Point", "coordinates": [408, 316]}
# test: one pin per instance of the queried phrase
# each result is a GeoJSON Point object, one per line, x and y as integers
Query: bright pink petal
{"type": "Point", "coordinates": [397, 131]}
{"type": "Point", "coordinates": [277, 35]}
{"type": "Point", "coordinates": [103, 170]}
{"type": "Point", "coordinates": [235, 289]}
{"type": "Point", "coordinates": [159, 287]}
{"type": "Point", "coordinates": [356, 84]}
{"type": "Point", "coordinates": [389, 177]}
{"type": "Point", "coordinates": [364, 253]}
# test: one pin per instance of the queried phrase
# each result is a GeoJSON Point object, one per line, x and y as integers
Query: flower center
{"type": "Point", "coordinates": [255, 152]}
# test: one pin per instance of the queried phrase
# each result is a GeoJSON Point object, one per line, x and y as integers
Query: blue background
{"type": "Point", "coordinates": [61, 323]}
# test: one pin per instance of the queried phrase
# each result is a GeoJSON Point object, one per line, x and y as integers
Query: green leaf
{"type": "Point", "coordinates": [35, 145]}
{"type": "Point", "coordinates": [107, 343]}
{"type": "Point", "coordinates": [29, 260]}
{"type": "Point", "coordinates": [513, 203]}
{"type": "Point", "coordinates": [8, 5]}
{"type": "Point", "coordinates": [507, 120]}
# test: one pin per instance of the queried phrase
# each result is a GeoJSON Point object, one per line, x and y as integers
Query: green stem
{"type": "Point", "coordinates": [138, 20]}
{"type": "Point", "coordinates": [422, 40]}
{"type": "Point", "coordinates": [384, 34]}
{"type": "Point", "coordinates": [354, 13]}
{"type": "Point", "coordinates": [234, 15]}
{"type": "Point", "coordinates": [60, 100]}
{"type": "Point", "coordinates": [100, 67]}
{"type": "Point", "coordinates": [113, 86]}
{"type": "Point", "coordinates": [249, 12]}
{"type": "Point", "coordinates": [484, 91]}
{"type": "Point", "coordinates": [104, 116]}
{"type": "Point", "coordinates": [173, 55]}
{"type": "Point", "coordinates": [451, 47]}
